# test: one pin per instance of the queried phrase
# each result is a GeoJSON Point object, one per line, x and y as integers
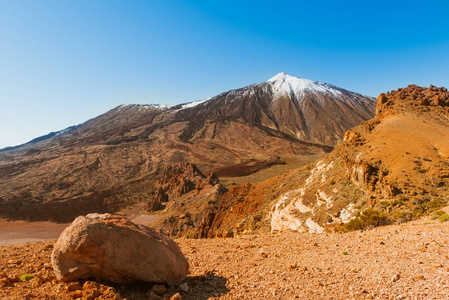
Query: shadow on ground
{"type": "Point", "coordinates": [204, 287]}
{"type": "Point", "coordinates": [201, 288]}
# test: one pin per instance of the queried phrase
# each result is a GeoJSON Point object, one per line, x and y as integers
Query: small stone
{"type": "Point", "coordinates": [13, 279]}
{"type": "Point", "coordinates": [91, 285]}
{"type": "Point", "coordinates": [76, 294]}
{"type": "Point", "coordinates": [419, 277]}
{"type": "Point", "coordinates": [73, 286]}
{"type": "Point", "coordinates": [184, 287]}
{"type": "Point", "coordinates": [176, 296]}
{"type": "Point", "coordinates": [91, 290]}
{"type": "Point", "coordinates": [14, 262]}
{"type": "Point", "coordinates": [395, 277]}
{"type": "Point", "coordinates": [159, 289]}
{"type": "Point", "coordinates": [153, 296]}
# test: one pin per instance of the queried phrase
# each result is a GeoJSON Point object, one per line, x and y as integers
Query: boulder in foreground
{"type": "Point", "coordinates": [112, 248]}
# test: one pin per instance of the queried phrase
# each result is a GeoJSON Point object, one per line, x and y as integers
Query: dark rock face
{"type": "Point", "coordinates": [161, 195]}
{"type": "Point", "coordinates": [191, 197]}
{"type": "Point", "coordinates": [173, 173]}
{"type": "Point", "coordinates": [156, 204]}
{"type": "Point", "coordinates": [178, 180]}
{"type": "Point", "coordinates": [115, 160]}
{"type": "Point", "coordinates": [183, 216]}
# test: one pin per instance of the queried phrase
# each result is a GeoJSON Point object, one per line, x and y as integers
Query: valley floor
{"type": "Point", "coordinates": [15, 232]}
{"type": "Point", "coordinates": [408, 261]}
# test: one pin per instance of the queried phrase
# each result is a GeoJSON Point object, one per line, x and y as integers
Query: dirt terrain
{"type": "Point", "coordinates": [409, 261]}
{"type": "Point", "coordinates": [14, 232]}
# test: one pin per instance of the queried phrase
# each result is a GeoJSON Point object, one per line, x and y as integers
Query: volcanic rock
{"type": "Point", "coordinates": [160, 197]}
{"type": "Point", "coordinates": [177, 180]}
{"type": "Point", "coordinates": [114, 249]}
{"type": "Point", "coordinates": [153, 205]}
{"type": "Point", "coordinates": [191, 195]}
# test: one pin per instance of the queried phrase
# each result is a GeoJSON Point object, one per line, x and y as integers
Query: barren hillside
{"type": "Point", "coordinates": [396, 164]}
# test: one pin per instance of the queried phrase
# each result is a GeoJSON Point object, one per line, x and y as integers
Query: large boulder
{"type": "Point", "coordinates": [112, 248]}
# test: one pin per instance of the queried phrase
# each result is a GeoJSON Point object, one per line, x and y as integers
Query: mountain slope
{"type": "Point", "coordinates": [396, 163]}
{"type": "Point", "coordinates": [114, 160]}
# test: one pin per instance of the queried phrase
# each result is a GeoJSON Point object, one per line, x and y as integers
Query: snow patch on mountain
{"type": "Point", "coordinates": [195, 103]}
{"type": "Point", "coordinates": [286, 85]}
{"type": "Point", "coordinates": [142, 107]}
{"type": "Point", "coordinates": [64, 131]}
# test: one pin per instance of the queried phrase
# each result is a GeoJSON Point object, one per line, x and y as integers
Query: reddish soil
{"type": "Point", "coordinates": [409, 261]}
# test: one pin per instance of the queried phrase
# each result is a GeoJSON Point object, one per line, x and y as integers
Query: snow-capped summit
{"type": "Point", "coordinates": [284, 84]}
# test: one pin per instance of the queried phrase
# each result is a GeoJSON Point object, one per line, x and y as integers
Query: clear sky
{"type": "Point", "coordinates": [63, 62]}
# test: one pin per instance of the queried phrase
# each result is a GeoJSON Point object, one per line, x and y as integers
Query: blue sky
{"type": "Point", "coordinates": [63, 62]}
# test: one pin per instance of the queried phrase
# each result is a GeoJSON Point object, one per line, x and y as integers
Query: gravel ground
{"type": "Point", "coordinates": [395, 262]}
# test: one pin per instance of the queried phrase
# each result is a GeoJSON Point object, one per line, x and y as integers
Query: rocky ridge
{"type": "Point", "coordinates": [397, 163]}
{"type": "Point", "coordinates": [184, 198]}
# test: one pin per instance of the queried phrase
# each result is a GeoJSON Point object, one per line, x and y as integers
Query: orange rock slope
{"type": "Point", "coordinates": [397, 163]}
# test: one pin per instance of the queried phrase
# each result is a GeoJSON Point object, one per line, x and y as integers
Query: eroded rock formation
{"type": "Point", "coordinates": [177, 180]}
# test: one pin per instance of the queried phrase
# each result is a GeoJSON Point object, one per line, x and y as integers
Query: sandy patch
{"type": "Point", "coordinates": [14, 232]}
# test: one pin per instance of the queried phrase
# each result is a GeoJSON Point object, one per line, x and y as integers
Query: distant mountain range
{"type": "Point", "coordinates": [114, 160]}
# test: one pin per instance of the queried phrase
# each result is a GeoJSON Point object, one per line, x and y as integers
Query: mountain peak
{"type": "Point", "coordinates": [284, 84]}
{"type": "Point", "coordinates": [279, 76]}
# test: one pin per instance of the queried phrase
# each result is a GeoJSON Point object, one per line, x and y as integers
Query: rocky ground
{"type": "Point", "coordinates": [409, 261]}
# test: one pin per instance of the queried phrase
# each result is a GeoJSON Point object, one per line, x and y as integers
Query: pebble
{"type": "Point", "coordinates": [395, 277]}
{"type": "Point", "coordinates": [153, 296]}
{"type": "Point", "coordinates": [159, 289]}
{"type": "Point", "coordinates": [176, 296]}
{"type": "Point", "coordinates": [184, 287]}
